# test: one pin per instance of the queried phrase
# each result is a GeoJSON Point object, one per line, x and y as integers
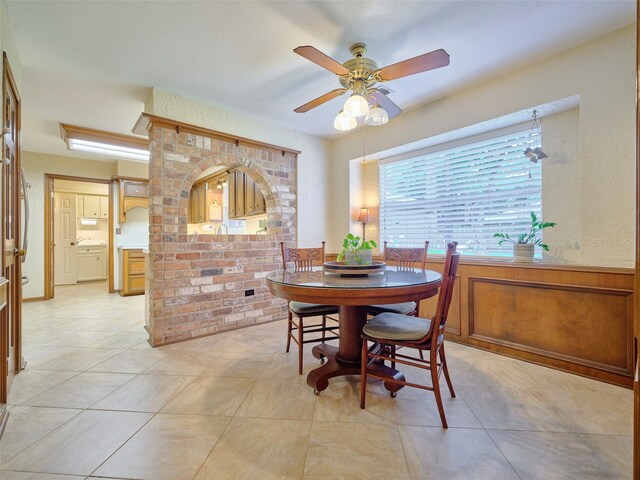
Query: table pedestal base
{"type": "Point", "coordinates": [334, 367]}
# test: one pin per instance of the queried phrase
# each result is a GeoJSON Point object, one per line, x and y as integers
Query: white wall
{"type": "Point", "coordinates": [126, 168]}
{"type": "Point", "coordinates": [313, 163]}
{"type": "Point", "coordinates": [8, 45]}
{"type": "Point", "coordinates": [602, 72]}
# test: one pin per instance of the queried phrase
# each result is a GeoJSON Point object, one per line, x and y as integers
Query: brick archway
{"type": "Point", "coordinates": [197, 283]}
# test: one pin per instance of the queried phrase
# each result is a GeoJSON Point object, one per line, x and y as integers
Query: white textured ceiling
{"type": "Point", "coordinates": [93, 63]}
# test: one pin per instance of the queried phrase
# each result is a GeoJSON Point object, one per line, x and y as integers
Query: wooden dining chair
{"type": "Point", "coordinates": [389, 331]}
{"type": "Point", "coordinates": [304, 259]}
{"type": "Point", "coordinates": [403, 259]}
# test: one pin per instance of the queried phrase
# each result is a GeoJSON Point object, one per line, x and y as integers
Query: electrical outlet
{"type": "Point", "coordinates": [248, 293]}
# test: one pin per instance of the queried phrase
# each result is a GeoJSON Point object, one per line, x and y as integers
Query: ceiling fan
{"type": "Point", "coordinates": [363, 77]}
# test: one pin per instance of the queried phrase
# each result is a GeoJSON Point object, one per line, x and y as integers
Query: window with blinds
{"type": "Point", "coordinates": [465, 194]}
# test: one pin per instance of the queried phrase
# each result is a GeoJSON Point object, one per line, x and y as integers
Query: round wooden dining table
{"type": "Point", "coordinates": [352, 295]}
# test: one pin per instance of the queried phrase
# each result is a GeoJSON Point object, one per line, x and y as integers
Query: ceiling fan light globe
{"type": "Point", "coordinates": [356, 106]}
{"type": "Point", "coordinates": [344, 122]}
{"type": "Point", "coordinates": [377, 116]}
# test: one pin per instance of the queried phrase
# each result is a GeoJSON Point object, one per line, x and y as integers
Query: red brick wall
{"type": "Point", "coordinates": [197, 283]}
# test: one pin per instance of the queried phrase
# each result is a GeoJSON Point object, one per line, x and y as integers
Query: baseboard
{"type": "Point", "coordinates": [33, 299]}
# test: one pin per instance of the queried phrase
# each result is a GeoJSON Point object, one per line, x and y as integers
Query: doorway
{"type": "Point", "coordinates": [78, 232]}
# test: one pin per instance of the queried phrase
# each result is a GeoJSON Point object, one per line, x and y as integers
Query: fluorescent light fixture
{"type": "Point", "coordinates": [115, 145]}
{"type": "Point", "coordinates": [107, 149]}
{"type": "Point", "coordinates": [88, 221]}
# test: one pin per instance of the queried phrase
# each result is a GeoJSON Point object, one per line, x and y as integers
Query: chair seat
{"type": "Point", "coordinates": [302, 308]}
{"type": "Point", "coordinates": [401, 308]}
{"type": "Point", "coordinates": [393, 326]}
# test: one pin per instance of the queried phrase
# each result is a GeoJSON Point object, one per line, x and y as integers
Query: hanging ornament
{"type": "Point", "coordinates": [535, 154]}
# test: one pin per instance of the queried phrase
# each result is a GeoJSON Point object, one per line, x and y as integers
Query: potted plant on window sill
{"type": "Point", "coordinates": [356, 251]}
{"type": "Point", "coordinates": [524, 244]}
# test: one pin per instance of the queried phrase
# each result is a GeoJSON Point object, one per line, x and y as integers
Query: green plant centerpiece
{"type": "Point", "coordinates": [356, 251]}
{"type": "Point", "coordinates": [524, 243]}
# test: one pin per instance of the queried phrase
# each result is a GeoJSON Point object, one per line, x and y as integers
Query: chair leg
{"type": "Point", "coordinates": [436, 389]}
{"type": "Point", "coordinates": [300, 344]}
{"type": "Point", "coordinates": [289, 322]}
{"type": "Point", "coordinates": [363, 374]}
{"type": "Point", "coordinates": [324, 326]}
{"type": "Point", "coordinates": [445, 369]}
{"type": "Point", "coordinates": [393, 356]}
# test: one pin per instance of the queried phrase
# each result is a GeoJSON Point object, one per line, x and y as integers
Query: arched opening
{"type": "Point", "coordinates": [227, 200]}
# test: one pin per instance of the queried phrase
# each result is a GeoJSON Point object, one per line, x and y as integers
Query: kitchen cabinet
{"type": "Point", "coordinates": [245, 196]}
{"type": "Point", "coordinates": [239, 193]}
{"type": "Point", "coordinates": [91, 262]}
{"type": "Point", "coordinates": [92, 206]}
{"type": "Point", "coordinates": [132, 271]}
{"type": "Point", "coordinates": [197, 203]}
{"type": "Point", "coordinates": [132, 193]}
{"type": "Point", "coordinates": [104, 207]}
{"type": "Point", "coordinates": [253, 198]}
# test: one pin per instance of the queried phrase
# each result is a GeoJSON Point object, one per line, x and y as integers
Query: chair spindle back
{"type": "Point", "coordinates": [449, 275]}
{"type": "Point", "coordinates": [304, 259]}
{"type": "Point", "coordinates": [406, 258]}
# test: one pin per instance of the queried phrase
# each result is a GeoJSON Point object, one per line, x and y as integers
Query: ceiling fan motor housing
{"type": "Point", "coordinates": [360, 68]}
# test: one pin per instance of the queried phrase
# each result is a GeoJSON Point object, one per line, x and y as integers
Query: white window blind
{"type": "Point", "coordinates": [465, 194]}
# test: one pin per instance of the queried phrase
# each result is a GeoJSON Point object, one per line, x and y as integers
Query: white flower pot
{"type": "Point", "coordinates": [361, 257]}
{"type": "Point", "coordinates": [523, 252]}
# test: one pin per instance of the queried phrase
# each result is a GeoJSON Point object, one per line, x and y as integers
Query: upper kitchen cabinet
{"type": "Point", "coordinates": [132, 193]}
{"type": "Point", "coordinates": [92, 206]}
{"type": "Point", "coordinates": [245, 196]}
{"type": "Point", "coordinates": [197, 212]}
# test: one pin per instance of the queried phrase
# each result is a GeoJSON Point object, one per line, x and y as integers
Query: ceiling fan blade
{"type": "Point", "coordinates": [320, 100]}
{"type": "Point", "coordinates": [319, 58]}
{"type": "Point", "coordinates": [385, 102]}
{"type": "Point", "coordinates": [421, 63]}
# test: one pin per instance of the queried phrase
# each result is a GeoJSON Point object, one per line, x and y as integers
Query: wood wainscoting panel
{"type": "Point", "coordinates": [566, 322]}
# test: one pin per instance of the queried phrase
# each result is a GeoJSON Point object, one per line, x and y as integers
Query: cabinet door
{"type": "Point", "coordinates": [80, 205]}
{"type": "Point", "coordinates": [202, 203]}
{"type": "Point", "coordinates": [91, 206]}
{"type": "Point", "coordinates": [240, 210]}
{"type": "Point", "coordinates": [260, 206]}
{"type": "Point", "coordinates": [91, 265]}
{"type": "Point", "coordinates": [133, 188]}
{"type": "Point", "coordinates": [249, 195]}
{"type": "Point", "coordinates": [104, 207]}
{"type": "Point", "coordinates": [232, 195]}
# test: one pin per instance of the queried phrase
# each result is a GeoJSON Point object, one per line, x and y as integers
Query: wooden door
{"type": "Point", "coordinates": [11, 266]}
{"type": "Point", "coordinates": [64, 228]}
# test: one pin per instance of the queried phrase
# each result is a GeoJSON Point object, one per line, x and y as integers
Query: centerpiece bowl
{"type": "Point", "coordinates": [344, 270]}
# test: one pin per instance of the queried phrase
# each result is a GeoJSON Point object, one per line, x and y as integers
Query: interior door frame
{"type": "Point", "coordinates": [636, 320]}
{"type": "Point", "coordinates": [49, 287]}
{"type": "Point", "coordinates": [10, 295]}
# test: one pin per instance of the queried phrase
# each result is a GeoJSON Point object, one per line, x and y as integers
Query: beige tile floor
{"type": "Point", "coordinates": [97, 402]}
